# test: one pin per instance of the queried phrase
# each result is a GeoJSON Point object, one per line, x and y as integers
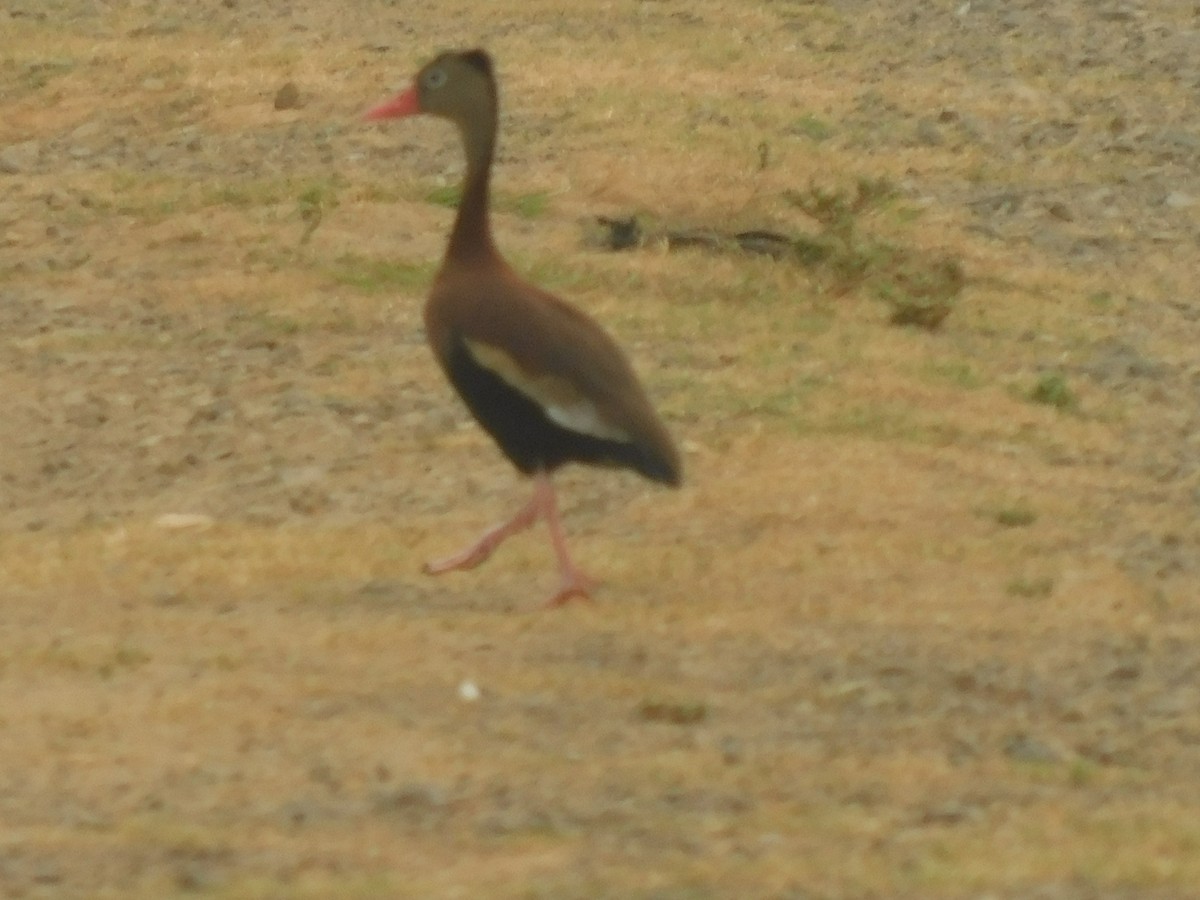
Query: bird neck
{"type": "Point", "coordinates": [471, 237]}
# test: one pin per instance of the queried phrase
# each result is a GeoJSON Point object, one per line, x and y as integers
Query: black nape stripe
{"type": "Point", "coordinates": [479, 60]}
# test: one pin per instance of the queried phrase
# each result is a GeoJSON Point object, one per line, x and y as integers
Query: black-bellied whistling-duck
{"type": "Point", "coordinates": [542, 378]}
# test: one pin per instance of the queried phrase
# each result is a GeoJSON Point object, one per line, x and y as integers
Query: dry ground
{"type": "Point", "coordinates": [907, 631]}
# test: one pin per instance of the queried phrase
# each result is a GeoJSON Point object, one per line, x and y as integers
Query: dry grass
{"type": "Point", "coordinates": [906, 632]}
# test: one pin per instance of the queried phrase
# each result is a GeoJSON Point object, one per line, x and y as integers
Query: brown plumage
{"type": "Point", "coordinates": [545, 381]}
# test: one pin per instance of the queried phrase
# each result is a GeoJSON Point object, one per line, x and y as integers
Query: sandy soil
{"type": "Point", "coordinates": [922, 623]}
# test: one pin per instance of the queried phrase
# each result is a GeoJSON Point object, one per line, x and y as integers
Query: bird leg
{"type": "Point", "coordinates": [543, 504]}
{"type": "Point", "coordinates": [470, 557]}
{"type": "Point", "coordinates": [574, 583]}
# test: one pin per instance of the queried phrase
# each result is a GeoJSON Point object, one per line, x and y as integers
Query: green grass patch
{"type": "Point", "coordinates": [920, 289]}
{"type": "Point", "coordinates": [1052, 389]}
{"type": "Point", "coordinates": [529, 205]}
{"type": "Point", "coordinates": [256, 192]}
{"type": "Point", "coordinates": [885, 422]}
{"type": "Point", "coordinates": [811, 127]}
{"type": "Point", "coordinates": [672, 711]}
{"type": "Point", "coordinates": [838, 209]}
{"type": "Point", "coordinates": [36, 74]}
{"type": "Point", "coordinates": [155, 198]}
{"type": "Point", "coordinates": [373, 276]}
{"type": "Point", "coordinates": [312, 204]}
{"type": "Point", "coordinates": [446, 195]}
{"type": "Point", "coordinates": [1016, 516]}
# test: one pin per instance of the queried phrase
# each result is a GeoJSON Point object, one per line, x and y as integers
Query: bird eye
{"type": "Point", "coordinates": [435, 78]}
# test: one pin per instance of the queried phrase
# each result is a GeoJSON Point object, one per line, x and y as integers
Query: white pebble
{"type": "Point", "coordinates": [468, 691]}
{"type": "Point", "coordinates": [175, 521]}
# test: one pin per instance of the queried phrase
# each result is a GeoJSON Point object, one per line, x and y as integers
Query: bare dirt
{"type": "Point", "coordinates": [923, 622]}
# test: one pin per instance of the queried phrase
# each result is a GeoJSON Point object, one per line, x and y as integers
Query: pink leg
{"type": "Point", "coordinates": [574, 583]}
{"type": "Point", "coordinates": [470, 557]}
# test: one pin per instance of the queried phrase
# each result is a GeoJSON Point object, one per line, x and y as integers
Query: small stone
{"type": "Point", "coordinates": [195, 876]}
{"type": "Point", "coordinates": [949, 813]}
{"type": "Point", "coordinates": [309, 500]}
{"type": "Point", "coordinates": [86, 410]}
{"type": "Point", "coordinates": [19, 157]}
{"type": "Point", "coordinates": [469, 691]}
{"type": "Point", "coordinates": [209, 412]}
{"type": "Point", "coordinates": [181, 521]}
{"type": "Point", "coordinates": [298, 813]}
{"type": "Point", "coordinates": [302, 476]}
{"type": "Point", "coordinates": [614, 234]}
{"type": "Point", "coordinates": [1061, 211]}
{"type": "Point", "coordinates": [1179, 200]}
{"type": "Point", "coordinates": [1183, 141]}
{"type": "Point", "coordinates": [47, 873]}
{"type": "Point", "coordinates": [288, 96]}
{"type": "Point", "coordinates": [675, 713]}
{"type": "Point", "coordinates": [1114, 360]}
{"type": "Point", "coordinates": [87, 130]}
{"type": "Point", "coordinates": [731, 751]}
{"type": "Point", "coordinates": [1128, 670]}
{"type": "Point", "coordinates": [411, 801]}
{"type": "Point", "coordinates": [1029, 749]}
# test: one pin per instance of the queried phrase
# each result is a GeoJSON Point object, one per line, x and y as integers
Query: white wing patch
{"type": "Point", "coordinates": [563, 404]}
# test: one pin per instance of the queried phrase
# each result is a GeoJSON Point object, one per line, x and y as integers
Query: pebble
{"type": "Point", "coordinates": [1179, 200]}
{"type": "Point", "coordinates": [949, 813]}
{"type": "Point", "coordinates": [1029, 749]}
{"type": "Point", "coordinates": [412, 801]}
{"type": "Point", "coordinates": [1061, 211]}
{"type": "Point", "coordinates": [19, 157]}
{"type": "Point", "coordinates": [469, 691]}
{"type": "Point", "coordinates": [197, 875]}
{"type": "Point", "coordinates": [1115, 360]}
{"type": "Point", "coordinates": [302, 476]}
{"type": "Point", "coordinates": [288, 96]}
{"type": "Point", "coordinates": [87, 130]}
{"type": "Point", "coordinates": [309, 500]}
{"type": "Point", "coordinates": [181, 521]}
{"type": "Point", "coordinates": [48, 872]}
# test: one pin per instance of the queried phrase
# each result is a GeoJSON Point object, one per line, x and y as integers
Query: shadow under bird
{"type": "Point", "coordinates": [543, 378]}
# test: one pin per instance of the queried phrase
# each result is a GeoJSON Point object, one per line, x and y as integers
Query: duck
{"type": "Point", "coordinates": [546, 381]}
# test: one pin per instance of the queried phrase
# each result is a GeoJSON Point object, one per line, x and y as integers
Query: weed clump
{"type": "Point", "coordinates": [919, 288]}
{"type": "Point", "coordinates": [1052, 390]}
